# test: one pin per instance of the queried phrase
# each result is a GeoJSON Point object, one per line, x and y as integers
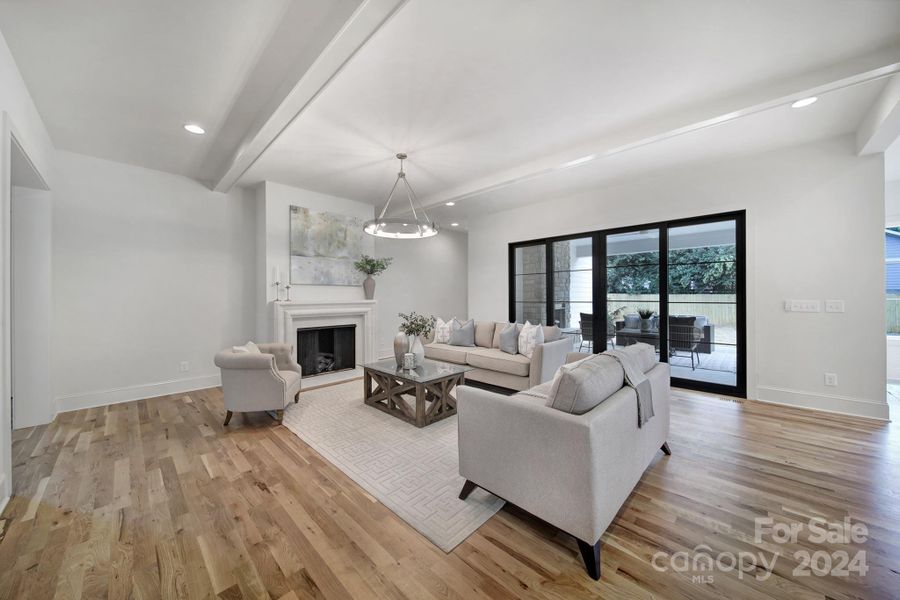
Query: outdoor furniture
{"type": "Point", "coordinates": [684, 337]}
{"type": "Point", "coordinates": [587, 332]}
{"type": "Point", "coordinates": [629, 332]}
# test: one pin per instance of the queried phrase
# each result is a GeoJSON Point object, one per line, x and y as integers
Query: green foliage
{"type": "Point", "coordinates": [709, 270]}
{"type": "Point", "coordinates": [372, 266]}
{"type": "Point", "coordinates": [414, 324]}
{"type": "Point", "coordinates": [645, 313]}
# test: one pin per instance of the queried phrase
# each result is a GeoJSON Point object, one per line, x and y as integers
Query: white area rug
{"type": "Point", "coordinates": [412, 471]}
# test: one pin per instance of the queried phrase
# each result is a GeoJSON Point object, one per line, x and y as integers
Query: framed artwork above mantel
{"type": "Point", "coordinates": [323, 247]}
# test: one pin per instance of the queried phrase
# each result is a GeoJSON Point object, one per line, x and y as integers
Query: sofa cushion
{"type": "Point", "coordinates": [462, 334]}
{"type": "Point", "coordinates": [446, 353]}
{"type": "Point", "coordinates": [484, 333]}
{"type": "Point", "coordinates": [442, 331]}
{"type": "Point", "coordinates": [509, 339]}
{"type": "Point", "coordinates": [551, 333]}
{"type": "Point", "coordinates": [579, 387]}
{"type": "Point", "coordinates": [529, 337]}
{"type": "Point", "coordinates": [644, 355]}
{"type": "Point", "coordinates": [632, 321]}
{"type": "Point", "coordinates": [494, 359]}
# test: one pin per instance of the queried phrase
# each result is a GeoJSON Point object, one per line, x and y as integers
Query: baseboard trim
{"type": "Point", "coordinates": [135, 392]}
{"type": "Point", "coordinates": [843, 405]}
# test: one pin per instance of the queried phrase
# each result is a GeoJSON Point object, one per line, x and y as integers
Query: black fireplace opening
{"type": "Point", "coordinates": [326, 349]}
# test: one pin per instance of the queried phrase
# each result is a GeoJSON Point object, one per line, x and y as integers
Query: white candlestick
{"type": "Point", "coordinates": [277, 274]}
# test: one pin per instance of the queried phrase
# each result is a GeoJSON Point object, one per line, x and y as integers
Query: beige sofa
{"type": "Point", "coordinates": [495, 367]}
{"type": "Point", "coordinates": [574, 471]}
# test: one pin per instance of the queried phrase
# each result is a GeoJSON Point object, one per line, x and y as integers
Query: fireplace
{"type": "Point", "coordinates": [326, 349]}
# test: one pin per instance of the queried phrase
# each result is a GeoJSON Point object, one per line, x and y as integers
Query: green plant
{"type": "Point", "coordinates": [645, 313]}
{"type": "Point", "coordinates": [372, 266]}
{"type": "Point", "coordinates": [414, 324]}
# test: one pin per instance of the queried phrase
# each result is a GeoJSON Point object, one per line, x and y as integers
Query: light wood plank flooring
{"type": "Point", "coordinates": [155, 499]}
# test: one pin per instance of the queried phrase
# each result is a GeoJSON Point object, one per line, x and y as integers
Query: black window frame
{"type": "Point", "coordinates": [599, 275]}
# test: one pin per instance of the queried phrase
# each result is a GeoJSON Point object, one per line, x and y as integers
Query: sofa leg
{"type": "Point", "coordinates": [467, 489]}
{"type": "Point", "coordinates": [591, 555]}
{"type": "Point", "coordinates": [665, 449]}
{"type": "Point", "coordinates": [228, 415]}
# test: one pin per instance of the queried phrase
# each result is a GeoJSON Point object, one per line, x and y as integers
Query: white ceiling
{"type": "Point", "coordinates": [471, 88]}
{"type": "Point", "coordinates": [117, 79]}
{"type": "Point", "coordinates": [479, 93]}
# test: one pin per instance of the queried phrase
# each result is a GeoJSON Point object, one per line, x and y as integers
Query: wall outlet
{"type": "Point", "coordinates": [802, 306]}
{"type": "Point", "coordinates": [184, 367]}
{"type": "Point", "coordinates": [834, 306]}
{"type": "Point", "coordinates": [831, 379]}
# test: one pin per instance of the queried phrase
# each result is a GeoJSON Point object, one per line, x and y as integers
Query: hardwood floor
{"type": "Point", "coordinates": [155, 499]}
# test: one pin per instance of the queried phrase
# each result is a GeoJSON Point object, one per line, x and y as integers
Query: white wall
{"type": "Point", "coordinates": [815, 218]}
{"type": "Point", "coordinates": [149, 270]}
{"type": "Point", "coordinates": [31, 223]}
{"type": "Point", "coordinates": [428, 276]}
{"type": "Point", "coordinates": [18, 117]}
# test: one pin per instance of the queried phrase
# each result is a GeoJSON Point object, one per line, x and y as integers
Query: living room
{"type": "Point", "coordinates": [401, 298]}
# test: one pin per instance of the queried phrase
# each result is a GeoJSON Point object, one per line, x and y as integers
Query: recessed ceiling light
{"type": "Point", "coordinates": [804, 102]}
{"type": "Point", "coordinates": [195, 129]}
{"type": "Point", "coordinates": [450, 203]}
{"type": "Point", "coordinates": [454, 224]}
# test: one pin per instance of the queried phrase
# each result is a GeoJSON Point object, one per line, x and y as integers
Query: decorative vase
{"type": "Point", "coordinates": [646, 324]}
{"type": "Point", "coordinates": [369, 287]}
{"type": "Point", "coordinates": [417, 349]}
{"type": "Point", "coordinates": [401, 347]}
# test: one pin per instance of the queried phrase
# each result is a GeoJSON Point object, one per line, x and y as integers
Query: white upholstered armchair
{"type": "Point", "coordinates": [265, 381]}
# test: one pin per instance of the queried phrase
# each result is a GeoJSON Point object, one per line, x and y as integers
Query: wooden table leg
{"type": "Point", "coordinates": [420, 405]}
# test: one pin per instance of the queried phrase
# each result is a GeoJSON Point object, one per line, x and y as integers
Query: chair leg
{"type": "Point", "coordinates": [590, 553]}
{"type": "Point", "coordinates": [228, 415]}
{"type": "Point", "coordinates": [297, 397]}
{"type": "Point", "coordinates": [468, 488]}
{"type": "Point", "coordinates": [665, 449]}
{"type": "Point", "coordinates": [279, 416]}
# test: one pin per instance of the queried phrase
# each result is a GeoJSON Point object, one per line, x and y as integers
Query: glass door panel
{"type": "Point", "coordinates": [530, 283]}
{"type": "Point", "coordinates": [573, 296]}
{"type": "Point", "coordinates": [632, 288]}
{"type": "Point", "coordinates": [703, 306]}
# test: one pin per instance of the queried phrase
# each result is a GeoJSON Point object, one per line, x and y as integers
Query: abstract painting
{"type": "Point", "coordinates": [324, 246]}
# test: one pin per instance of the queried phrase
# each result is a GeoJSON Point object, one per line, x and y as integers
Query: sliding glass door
{"type": "Point", "coordinates": [676, 285]}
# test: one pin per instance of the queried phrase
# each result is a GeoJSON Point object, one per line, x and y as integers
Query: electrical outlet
{"type": "Point", "coordinates": [831, 379]}
{"type": "Point", "coordinates": [184, 367]}
{"type": "Point", "coordinates": [834, 306]}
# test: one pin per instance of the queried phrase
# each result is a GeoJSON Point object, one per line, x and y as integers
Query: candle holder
{"type": "Point", "coordinates": [277, 285]}
{"type": "Point", "coordinates": [287, 287]}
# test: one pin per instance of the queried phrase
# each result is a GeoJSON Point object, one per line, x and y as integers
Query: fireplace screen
{"type": "Point", "coordinates": [326, 349]}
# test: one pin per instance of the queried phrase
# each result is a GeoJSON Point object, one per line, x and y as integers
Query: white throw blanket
{"type": "Point", "coordinates": [635, 378]}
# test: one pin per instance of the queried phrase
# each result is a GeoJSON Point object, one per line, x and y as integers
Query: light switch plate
{"type": "Point", "coordinates": [834, 306]}
{"type": "Point", "coordinates": [802, 306]}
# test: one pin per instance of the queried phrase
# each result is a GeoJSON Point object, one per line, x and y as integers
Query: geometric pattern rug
{"type": "Point", "coordinates": [414, 472]}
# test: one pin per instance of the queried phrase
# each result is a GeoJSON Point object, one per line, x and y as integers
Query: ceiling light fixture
{"type": "Point", "coordinates": [419, 226]}
{"type": "Point", "coordinates": [195, 129]}
{"type": "Point", "coordinates": [450, 203]}
{"type": "Point", "coordinates": [578, 161]}
{"type": "Point", "coordinates": [803, 102]}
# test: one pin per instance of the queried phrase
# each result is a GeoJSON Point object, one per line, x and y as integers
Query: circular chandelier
{"type": "Point", "coordinates": [418, 225]}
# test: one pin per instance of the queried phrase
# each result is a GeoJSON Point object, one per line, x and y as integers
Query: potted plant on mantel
{"type": "Point", "coordinates": [371, 266]}
{"type": "Point", "coordinates": [412, 328]}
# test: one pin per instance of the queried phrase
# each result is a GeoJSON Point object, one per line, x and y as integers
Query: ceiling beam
{"type": "Point", "coordinates": [365, 21]}
{"type": "Point", "coordinates": [878, 65]}
{"type": "Point", "coordinates": [881, 125]}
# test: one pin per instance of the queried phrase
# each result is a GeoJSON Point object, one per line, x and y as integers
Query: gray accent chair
{"type": "Point", "coordinates": [572, 471]}
{"type": "Point", "coordinates": [259, 382]}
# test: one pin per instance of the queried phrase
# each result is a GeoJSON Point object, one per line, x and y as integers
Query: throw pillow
{"type": "Point", "coordinates": [484, 333]}
{"type": "Point", "coordinates": [442, 331]}
{"type": "Point", "coordinates": [248, 348]}
{"type": "Point", "coordinates": [529, 337]}
{"type": "Point", "coordinates": [632, 321]}
{"type": "Point", "coordinates": [498, 327]}
{"type": "Point", "coordinates": [580, 386]}
{"type": "Point", "coordinates": [462, 334]}
{"type": "Point", "coordinates": [509, 339]}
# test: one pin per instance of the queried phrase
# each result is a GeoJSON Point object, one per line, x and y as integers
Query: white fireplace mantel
{"type": "Point", "coordinates": [290, 316]}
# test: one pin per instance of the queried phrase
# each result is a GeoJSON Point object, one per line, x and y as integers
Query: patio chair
{"type": "Point", "coordinates": [685, 337]}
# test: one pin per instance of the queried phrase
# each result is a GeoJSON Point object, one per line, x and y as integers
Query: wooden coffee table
{"type": "Point", "coordinates": [420, 396]}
